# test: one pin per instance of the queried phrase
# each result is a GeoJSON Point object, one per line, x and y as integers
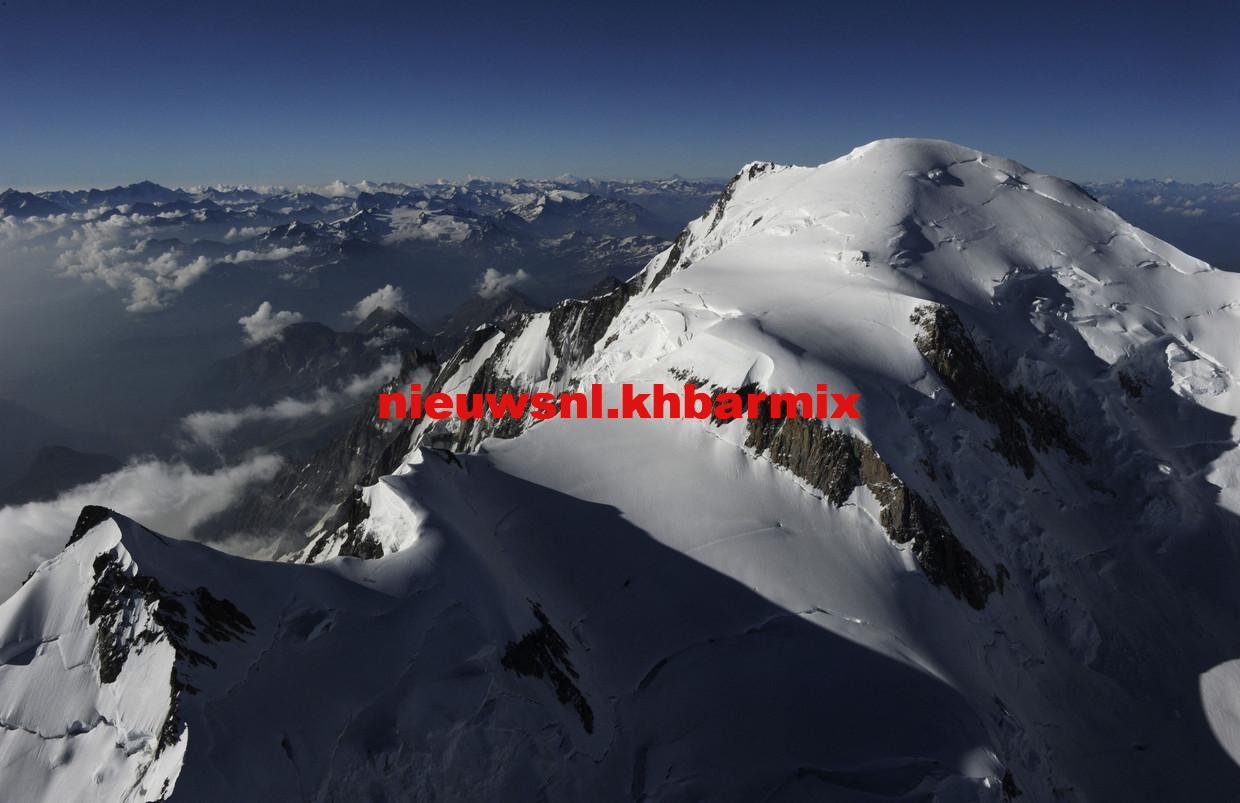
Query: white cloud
{"type": "Point", "coordinates": [118, 251]}
{"type": "Point", "coordinates": [104, 251]}
{"type": "Point", "coordinates": [493, 282]}
{"type": "Point", "coordinates": [210, 427]}
{"type": "Point", "coordinates": [338, 189]}
{"type": "Point", "coordinates": [14, 229]}
{"type": "Point", "coordinates": [272, 255]}
{"type": "Point", "coordinates": [171, 498]}
{"type": "Point", "coordinates": [264, 324]}
{"type": "Point", "coordinates": [386, 297]}
{"type": "Point", "coordinates": [244, 232]}
{"type": "Point", "coordinates": [1185, 211]}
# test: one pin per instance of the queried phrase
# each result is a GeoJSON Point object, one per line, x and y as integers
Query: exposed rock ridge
{"type": "Point", "coordinates": [837, 463]}
{"type": "Point", "coordinates": [132, 611]}
{"type": "Point", "coordinates": [297, 498]}
{"type": "Point", "coordinates": [543, 653]}
{"type": "Point", "coordinates": [1027, 421]}
{"type": "Point", "coordinates": [714, 214]}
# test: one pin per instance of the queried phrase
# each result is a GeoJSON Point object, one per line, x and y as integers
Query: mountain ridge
{"type": "Point", "coordinates": [1003, 580]}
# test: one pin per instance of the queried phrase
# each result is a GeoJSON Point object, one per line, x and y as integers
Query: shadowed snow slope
{"type": "Point", "coordinates": [1013, 575]}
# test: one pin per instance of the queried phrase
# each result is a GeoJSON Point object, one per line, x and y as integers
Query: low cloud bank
{"type": "Point", "coordinates": [170, 498]}
{"type": "Point", "coordinates": [210, 427]}
{"type": "Point", "coordinates": [120, 251]}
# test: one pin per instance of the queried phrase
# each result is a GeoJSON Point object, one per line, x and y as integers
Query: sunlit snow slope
{"type": "Point", "coordinates": [1014, 575]}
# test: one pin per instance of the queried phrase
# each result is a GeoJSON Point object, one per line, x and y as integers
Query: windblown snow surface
{"type": "Point", "coordinates": [1014, 576]}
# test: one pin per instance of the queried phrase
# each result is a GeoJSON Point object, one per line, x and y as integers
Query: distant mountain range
{"type": "Point", "coordinates": [552, 206]}
{"type": "Point", "coordinates": [154, 244]}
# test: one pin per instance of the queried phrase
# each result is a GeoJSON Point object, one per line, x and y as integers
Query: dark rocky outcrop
{"type": "Point", "coordinates": [1009, 788]}
{"type": "Point", "coordinates": [357, 542]}
{"type": "Point", "coordinates": [302, 359]}
{"type": "Point", "coordinates": [219, 619]}
{"type": "Point", "coordinates": [910, 519]}
{"type": "Point", "coordinates": [543, 653]}
{"type": "Point", "coordinates": [1026, 421]}
{"type": "Point", "coordinates": [113, 603]}
{"type": "Point", "coordinates": [500, 309]}
{"type": "Point", "coordinates": [373, 449]}
{"type": "Point", "coordinates": [576, 325]}
{"type": "Point", "coordinates": [574, 328]}
{"type": "Point", "coordinates": [90, 517]}
{"type": "Point", "coordinates": [488, 380]}
{"type": "Point", "coordinates": [302, 492]}
{"type": "Point", "coordinates": [837, 463]}
{"type": "Point", "coordinates": [721, 203]}
{"type": "Point", "coordinates": [382, 320]}
{"type": "Point", "coordinates": [715, 213]}
{"type": "Point", "coordinates": [1133, 385]}
{"type": "Point", "coordinates": [673, 259]}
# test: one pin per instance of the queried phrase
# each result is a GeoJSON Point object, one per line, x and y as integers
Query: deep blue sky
{"type": "Point", "coordinates": [105, 93]}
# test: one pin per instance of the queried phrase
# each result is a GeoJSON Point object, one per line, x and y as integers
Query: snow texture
{"type": "Point", "coordinates": [1013, 575]}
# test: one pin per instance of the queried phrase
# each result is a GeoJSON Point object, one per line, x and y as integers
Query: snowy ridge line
{"type": "Point", "coordinates": [1026, 545]}
{"type": "Point", "coordinates": [1017, 348]}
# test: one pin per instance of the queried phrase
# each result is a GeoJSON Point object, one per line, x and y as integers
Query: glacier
{"type": "Point", "coordinates": [1012, 576]}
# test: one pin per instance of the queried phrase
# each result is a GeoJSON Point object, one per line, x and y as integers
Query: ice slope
{"type": "Point", "coordinates": [1054, 382]}
{"type": "Point", "coordinates": [1014, 574]}
{"type": "Point", "coordinates": [502, 655]}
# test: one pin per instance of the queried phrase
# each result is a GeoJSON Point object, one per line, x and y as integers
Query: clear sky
{"type": "Point", "coordinates": [100, 93]}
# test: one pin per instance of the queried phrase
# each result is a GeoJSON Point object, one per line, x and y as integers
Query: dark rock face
{"type": "Point", "coordinates": [721, 203]}
{"type": "Point", "coordinates": [357, 542]}
{"type": "Point", "coordinates": [498, 310]}
{"type": "Point", "coordinates": [374, 448]}
{"type": "Point", "coordinates": [1026, 421]}
{"type": "Point", "coordinates": [303, 358]}
{"type": "Point", "coordinates": [113, 604]}
{"type": "Point", "coordinates": [384, 319]}
{"type": "Point", "coordinates": [673, 259]}
{"type": "Point", "coordinates": [302, 492]}
{"type": "Point", "coordinates": [1010, 790]}
{"type": "Point", "coordinates": [371, 449]}
{"type": "Point", "coordinates": [1133, 385]}
{"type": "Point", "coordinates": [489, 381]}
{"type": "Point", "coordinates": [386, 444]}
{"type": "Point", "coordinates": [576, 325]}
{"type": "Point", "coordinates": [910, 519]}
{"type": "Point", "coordinates": [90, 517]}
{"type": "Point", "coordinates": [220, 619]}
{"type": "Point", "coordinates": [715, 213]}
{"type": "Point", "coordinates": [827, 459]}
{"type": "Point", "coordinates": [543, 653]}
{"type": "Point", "coordinates": [837, 463]}
{"type": "Point", "coordinates": [574, 329]}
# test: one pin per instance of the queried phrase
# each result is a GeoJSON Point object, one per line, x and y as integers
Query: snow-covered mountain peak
{"type": "Point", "coordinates": [104, 644]}
{"type": "Point", "coordinates": [893, 202]}
{"type": "Point", "coordinates": [1022, 354]}
{"type": "Point", "coordinates": [861, 241]}
{"type": "Point", "coordinates": [1026, 544]}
